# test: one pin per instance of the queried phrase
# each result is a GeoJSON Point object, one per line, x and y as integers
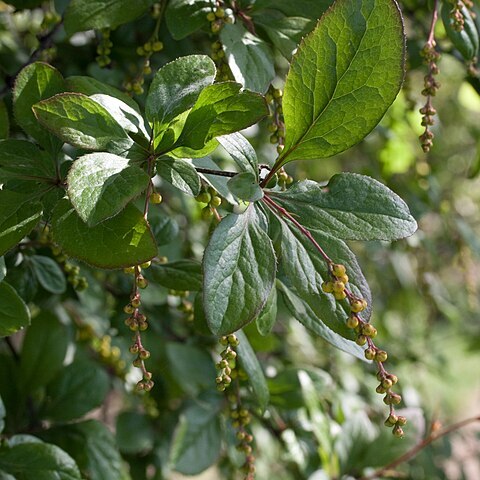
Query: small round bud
{"type": "Point", "coordinates": [216, 202]}
{"type": "Point", "coordinates": [381, 356]}
{"type": "Point", "coordinates": [369, 353]}
{"type": "Point", "coordinates": [352, 321]}
{"type": "Point", "coordinates": [338, 286]}
{"type": "Point", "coordinates": [142, 282]}
{"type": "Point", "coordinates": [387, 383]}
{"type": "Point", "coordinates": [203, 197]}
{"type": "Point", "coordinates": [155, 198]}
{"type": "Point", "coordinates": [144, 354]}
{"type": "Point", "coordinates": [398, 431]}
{"type": "Point", "coordinates": [380, 389]}
{"type": "Point", "coordinates": [240, 435]}
{"type": "Point", "coordinates": [157, 46]}
{"type": "Point", "coordinates": [207, 213]}
{"type": "Point", "coordinates": [338, 269]}
{"type": "Point", "coordinates": [391, 420]}
{"type": "Point", "coordinates": [128, 308]}
{"type": "Point", "coordinates": [401, 420]}
{"type": "Point", "coordinates": [396, 398]}
{"type": "Point", "coordinates": [327, 287]}
{"type": "Point", "coordinates": [343, 278]}
{"type": "Point", "coordinates": [133, 349]}
{"type": "Point", "coordinates": [233, 340]}
{"type": "Point", "coordinates": [369, 330]}
{"type": "Point", "coordinates": [211, 16]}
{"type": "Point", "coordinates": [393, 378]}
{"type": "Point", "coordinates": [361, 340]}
{"type": "Point", "coordinates": [340, 295]}
{"type": "Point", "coordinates": [145, 264]}
{"type": "Point", "coordinates": [129, 270]}
{"type": "Point", "coordinates": [357, 305]}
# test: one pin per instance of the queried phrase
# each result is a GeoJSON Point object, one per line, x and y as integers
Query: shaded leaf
{"type": "Point", "coordinates": [268, 316]}
{"type": "Point", "coordinates": [239, 148]}
{"type": "Point", "coordinates": [182, 275]}
{"type": "Point", "coordinates": [4, 121]}
{"type": "Point", "coordinates": [36, 82]}
{"type": "Point", "coordinates": [245, 186]}
{"type": "Point", "coordinates": [134, 433]}
{"type": "Point", "coordinates": [119, 242]}
{"type": "Point", "coordinates": [181, 174]}
{"type": "Point", "coordinates": [184, 17]}
{"type": "Point", "coordinates": [251, 365]}
{"type": "Point", "coordinates": [48, 273]}
{"type": "Point", "coordinates": [248, 57]}
{"type": "Point", "coordinates": [14, 314]}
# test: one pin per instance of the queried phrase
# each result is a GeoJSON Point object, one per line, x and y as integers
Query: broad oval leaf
{"type": "Point", "coordinates": [242, 152]}
{"type": "Point", "coordinates": [239, 271]}
{"type": "Point", "coordinates": [181, 174]}
{"type": "Point", "coordinates": [36, 460]}
{"type": "Point", "coordinates": [20, 159]}
{"type": "Point", "coordinates": [82, 122]}
{"type": "Point", "coordinates": [184, 17]}
{"type": "Point", "coordinates": [344, 76]}
{"type": "Point", "coordinates": [175, 88]}
{"type": "Point", "coordinates": [79, 388]}
{"type": "Point", "coordinates": [43, 351]}
{"type": "Point", "coordinates": [119, 242]}
{"type": "Point", "coordinates": [83, 15]}
{"type": "Point", "coordinates": [14, 314]}
{"type": "Point", "coordinates": [48, 273]}
{"type": "Point", "coordinates": [36, 82]}
{"type": "Point", "coordinates": [18, 216]}
{"type": "Point", "coordinates": [350, 207]}
{"type": "Point", "coordinates": [220, 109]}
{"type": "Point", "coordinates": [182, 275]}
{"type": "Point", "coordinates": [252, 367]}
{"type": "Point", "coordinates": [245, 186]}
{"type": "Point", "coordinates": [101, 184]}
{"type": "Point", "coordinates": [249, 58]}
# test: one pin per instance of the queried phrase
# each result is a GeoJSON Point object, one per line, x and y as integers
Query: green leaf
{"type": "Point", "coordinates": [92, 446]}
{"type": "Point", "coordinates": [466, 40]}
{"type": "Point", "coordinates": [134, 433]}
{"type": "Point", "coordinates": [191, 367]}
{"type": "Point", "coordinates": [82, 122]}
{"type": "Point", "coordinates": [20, 159]}
{"type": "Point", "coordinates": [82, 15]}
{"type": "Point", "coordinates": [14, 314]}
{"type": "Point", "coordinates": [38, 461]}
{"type": "Point", "coordinates": [101, 184]}
{"type": "Point", "coordinates": [119, 242]}
{"type": "Point", "coordinates": [239, 148]}
{"type": "Point", "coordinates": [4, 121]}
{"type": "Point", "coordinates": [221, 108]}
{"type": "Point", "coordinates": [48, 273]}
{"type": "Point", "coordinates": [342, 79]}
{"type": "Point", "coordinates": [183, 275]}
{"type": "Point", "coordinates": [286, 22]}
{"type": "Point", "coordinates": [248, 57]}
{"type": "Point", "coordinates": [306, 270]}
{"type": "Point", "coordinates": [36, 82]}
{"type": "Point", "coordinates": [18, 216]}
{"type": "Point", "coordinates": [164, 228]}
{"type": "Point", "coordinates": [239, 271]}
{"type": "Point", "coordinates": [91, 86]}
{"type": "Point", "coordinates": [301, 311]}
{"type": "Point", "coordinates": [80, 387]}
{"type": "Point", "coordinates": [43, 351]}
{"type": "Point", "coordinates": [245, 186]}
{"type": "Point", "coordinates": [197, 438]}
{"type": "Point", "coordinates": [174, 90]}
{"type": "Point", "coordinates": [350, 207]}
{"type": "Point", "coordinates": [184, 17]}
{"type": "Point", "coordinates": [179, 173]}
{"type": "Point", "coordinates": [268, 316]}
{"type": "Point", "coordinates": [251, 365]}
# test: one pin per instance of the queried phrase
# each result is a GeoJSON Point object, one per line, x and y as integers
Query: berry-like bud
{"type": "Point", "coordinates": [387, 383]}
{"type": "Point", "coordinates": [327, 287]}
{"type": "Point", "coordinates": [142, 282]}
{"type": "Point", "coordinates": [370, 353]}
{"type": "Point", "coordinates": [381, 356]}
{"type": "Point", "coordinates": [391, 420]}
{"type": "Point", "coordinates": [157, 46]}
{"type": "Point", "coordinates": [340, 295]}
{"type": "Point", "coordinates": [216, 202]}
{"type": "Point", "coordinates": [352, 321]}
{"type": "Point", "coordinates": [361, 340]}
{"type": "Point", "coordinates": [380, 389]}
{"type": "Point", "coordinates": [128, 308]}
{"type": "Point", "coordinates": [369, 330]}
{"type": "Point", "coordinates": [145, 264]}
{"type": "Point", "coordinates": [211, 16]}
{"type": "Point", "coordinates": [207, 213]}
{"type": "Point", "coordinates": [393, 378]}
{"type": "Point", "coordinates": [398, 431]}
{"type": "Point", "coordinates": [357, 305]}
{"type": "Point", "coordinates": [401, 420]}
{"type": "Point", "coordinates": [155, 198]}
{"type": "Point", "coordinates": [338, 269]}
{"type": "Point", "coordinates": [203, 197]}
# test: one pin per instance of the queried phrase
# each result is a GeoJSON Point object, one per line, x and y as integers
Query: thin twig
{"type": "Point", "coordinates": [420, 446]}
{"type": "Point", "coordinates": [220, 173]}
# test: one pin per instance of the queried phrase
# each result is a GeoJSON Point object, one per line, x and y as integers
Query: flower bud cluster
{"type": "Point", "coordinates": [226, 367]}
{"type": "Point", "coordinates": [276, 127]}
{"type": "Point", "coordinates": [212, 199]}
{"type": "Point", "coordinates": [431, 85]}
{"type": "Point", "coordinates": [458, 21]}
{"type": "Point", "coordinates": [78, 282]}
{"type": "Point", "coordinates": [365, 333]}
{"type": "Point", "coordinates": [241, 418]}
{"type": "Point", "coordinates": [104, 48]}
{"type": "Point", "coordinates": [218, 17]}
{"type": "Point", "coordinates": [137, 322]}
{"type": "Point", "coordinates": [218, 56]}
